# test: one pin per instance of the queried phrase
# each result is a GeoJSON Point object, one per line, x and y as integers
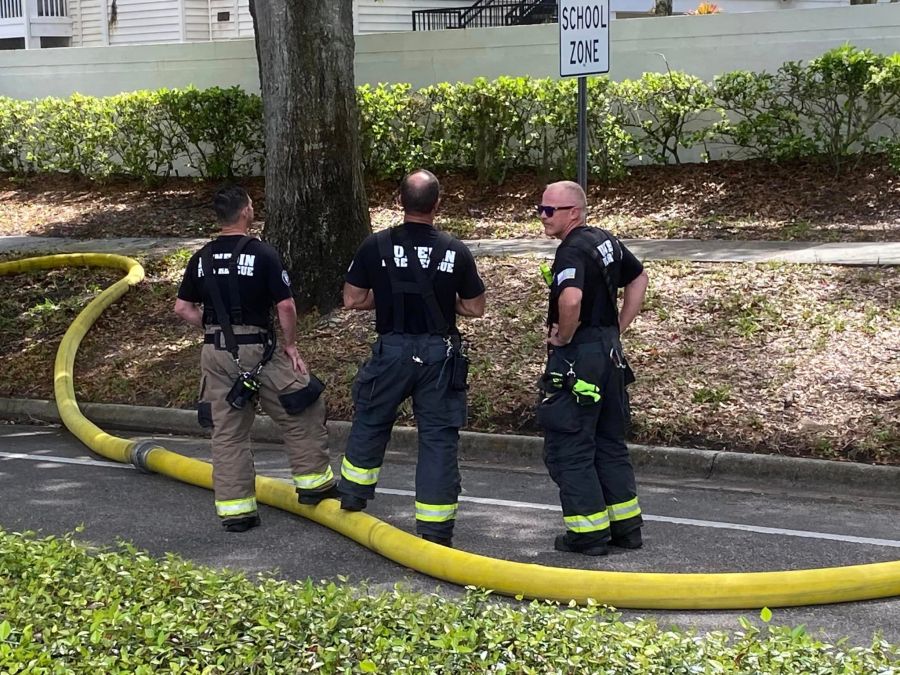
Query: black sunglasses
{"type": "Point", "coordinates": [550, 210]}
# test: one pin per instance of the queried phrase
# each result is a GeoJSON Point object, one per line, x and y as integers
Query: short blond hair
{"type": "Point", "coordinates": [575, 191]}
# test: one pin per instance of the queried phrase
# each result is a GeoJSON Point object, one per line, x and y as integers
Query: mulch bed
{"type": "Point", "coordinates": [785, 359]}
{"type": "Point", "coordinates": [720, 200]}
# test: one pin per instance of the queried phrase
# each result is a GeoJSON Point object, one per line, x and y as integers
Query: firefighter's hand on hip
{"type": "Point", "coordinates": [554, 338]}
{"type": "Point", "coordinates": [296, 362]}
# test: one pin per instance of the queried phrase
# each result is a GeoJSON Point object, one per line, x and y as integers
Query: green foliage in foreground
{"type": "Point", "coordinates": [68, 609]}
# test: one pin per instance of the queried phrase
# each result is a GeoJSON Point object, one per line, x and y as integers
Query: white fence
{"type": "Point", "coordinates": [52, 8]}
{"type": "Point", "coordinates": [10, 9]}
{"type": "Point", "coordinates": [702, 45]}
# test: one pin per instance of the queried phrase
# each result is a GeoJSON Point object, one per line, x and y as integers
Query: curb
{"type": "Point", "coordinates": [511, 450]}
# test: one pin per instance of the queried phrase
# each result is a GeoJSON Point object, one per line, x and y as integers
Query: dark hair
{"type": "Point", "coordinates": [419, 192]}
{"type": "Point", "coordinates": [228, 202]}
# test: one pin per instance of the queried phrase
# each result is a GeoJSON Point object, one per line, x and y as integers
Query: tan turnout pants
{"type": "Point", "coordinates": [305, 436]}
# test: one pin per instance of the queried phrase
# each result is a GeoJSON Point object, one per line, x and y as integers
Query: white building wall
{"type": "Point", "coordinates": [145, 22]}
{"type": "Point", "coordinates": [196, 20]}
{"type": "Point", "coordinates": [87, 31]}
{"type": "Point", "coordinates": [239, 23]}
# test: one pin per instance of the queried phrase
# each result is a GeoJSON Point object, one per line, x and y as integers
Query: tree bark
{"type": "Point", "coordinates": [316, 208]}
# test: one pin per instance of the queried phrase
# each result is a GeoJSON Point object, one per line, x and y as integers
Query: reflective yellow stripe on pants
{"type": "Point", "coordinates": [590, 523]}
{"type": "Point", "coordinates": [357, 475]}
{"type": "Point", "coordinates": [236, 507]}
{"type": "Point", "coordinates": [311, 481]}
{"type": "Point", "coordinates": [435, 513]}
{"type": "Point", "coordinates": [624, 510]}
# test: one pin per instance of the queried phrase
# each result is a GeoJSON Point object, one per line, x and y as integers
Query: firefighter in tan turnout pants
{"type": "Point", "coordinates": [241, 363]}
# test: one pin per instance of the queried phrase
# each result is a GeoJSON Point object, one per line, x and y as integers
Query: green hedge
{"type": "Point", "coordinates": [837, 106]}
{"type": "Point", "coordinates": [68, 609]}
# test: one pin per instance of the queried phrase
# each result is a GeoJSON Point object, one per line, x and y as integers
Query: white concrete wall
{"type": "Point", "coordinates": [705, 46]}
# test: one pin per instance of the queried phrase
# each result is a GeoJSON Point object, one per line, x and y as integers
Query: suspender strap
{"type": "Point", "coordinates": [212, 289]}
{"type": "Point", "coordinates": [434, 317]}
{"type": "Point", "coordinates": [424, 283]}
{"type": "Point", "coordinates": [223, 315]}
{"type": "Point", "coordinates": [597, 238]}
{"type": "Point", "coordinates": [386, 251]}
{"type": "Point", "coordinates": [237, 314]}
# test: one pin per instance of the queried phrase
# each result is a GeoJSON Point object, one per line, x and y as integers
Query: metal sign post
{"type": "Point", "coordinates": [582, 133]}
{"type": "Point", "coordinates": [583, 51]}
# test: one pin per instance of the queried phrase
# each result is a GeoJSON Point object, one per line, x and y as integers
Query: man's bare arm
{"type": "Point", "coordinates": [358, 298]}
{"type": "Point", "coordinates": [632, 299]}
{"type": "Point", "coordinates": [189, 312]}
{"type": "Point", "coordinates": [569, 304]}
{"type": "Point", "coordinates": [473, 307]}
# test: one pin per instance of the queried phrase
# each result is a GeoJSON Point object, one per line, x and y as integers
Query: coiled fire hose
{"type": "Point", "coordinates": [620, 589]}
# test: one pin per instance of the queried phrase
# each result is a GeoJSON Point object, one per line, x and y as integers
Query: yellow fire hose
{"type": "Point", "coordinates": [620, 589]}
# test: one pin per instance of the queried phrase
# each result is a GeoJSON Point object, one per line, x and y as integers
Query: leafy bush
{"type": "Point", "coordinates": [64, 608]}
{"type": "Point", "coordinates": [667, 111]}
{"type": "Point", "coordinates": [219, 131]}
{"type": "Point", "coordinates": [839, 104]}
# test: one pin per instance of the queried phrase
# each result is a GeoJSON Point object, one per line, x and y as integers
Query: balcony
{"type": "Point", "coordinates": [32, 24]}
{"type": "Point", "coordinates": [486, 14]}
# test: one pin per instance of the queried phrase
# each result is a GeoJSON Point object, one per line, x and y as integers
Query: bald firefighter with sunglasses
{"type": "Point", "coordinates": [584, 407]}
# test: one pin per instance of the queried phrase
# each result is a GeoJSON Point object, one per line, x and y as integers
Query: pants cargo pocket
{"type": "Point", "coordinates": [204, 414]}
{"type": "Point", "coordinates": [365, 385]}
{"type": "Point", "coordinates": [295, 402]}
{"type": "Point", "coordinates": [559, 412]}
{"type": "Point", "coordinates": [204, 408]}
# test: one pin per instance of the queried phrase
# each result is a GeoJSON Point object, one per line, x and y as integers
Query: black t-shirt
{"type": "Point", "coordinates": [262, 280]}
{"type": "Point", "coordinates": [574, 267]}
{"type": "Point", "coordinates": [456, 274]}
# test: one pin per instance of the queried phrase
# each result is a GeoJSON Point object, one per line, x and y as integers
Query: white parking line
{"type": "Point", "coordinates": [507, 503]}
{"type": "Point", "coordinates": [64, 460]}
{"type": "Point", "coordinates": [678, 521]}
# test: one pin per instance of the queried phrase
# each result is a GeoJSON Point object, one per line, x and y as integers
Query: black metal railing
{"type": "Point", "coordinates": [486, 14]}
{"type": "Point", "coordinates": [437, 19]}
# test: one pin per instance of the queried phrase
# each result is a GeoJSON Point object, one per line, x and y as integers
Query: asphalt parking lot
{"type": "Point", "coordinates": [51, 483]}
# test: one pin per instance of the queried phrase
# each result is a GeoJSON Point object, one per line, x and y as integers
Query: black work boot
{"type": "Point", "coordinates": [566, 544]}
{"type": "Point", "coordinates": [434, 539]}
{"type": "Point", "coordinates": [352, 503]}
{"type": "Point", "coordinates": [241, 524]}
{"type": "Point", "coordinates": [630, 540]}
{"type": "Point", "coordinates": [311, 498]}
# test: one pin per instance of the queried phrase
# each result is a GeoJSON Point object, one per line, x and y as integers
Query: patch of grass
{"type": "Point", "coordinates": [461, 228]}
{"type": "Point", "coordinates": [798, 229]}
{"type": "Point", "coordinates": [711, 395]}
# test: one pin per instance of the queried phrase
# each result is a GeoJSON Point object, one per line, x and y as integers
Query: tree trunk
{"type": "Point", "coordinates": [316, 209]}
{"type": "Point", "coordinates": [663, 8]}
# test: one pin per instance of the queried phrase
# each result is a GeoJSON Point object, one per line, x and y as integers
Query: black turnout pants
{"type": "Point", "coordinates": [405, 366]}
{"type": "Point", "coordinates": [584, 445]}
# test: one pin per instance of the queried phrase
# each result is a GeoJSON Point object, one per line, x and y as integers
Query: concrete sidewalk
{"type": "Point", "coordinates": [700, 250]}
{"type": "Point", "coordinates": [507, 450]}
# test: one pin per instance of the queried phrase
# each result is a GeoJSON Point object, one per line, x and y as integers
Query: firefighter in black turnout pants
{"type": "Point", "coordinates": [417, 279]}
{"type": "Point", "coordinates": [229, 289]}
{"type": "Point", "coordinates": [584, 408]}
